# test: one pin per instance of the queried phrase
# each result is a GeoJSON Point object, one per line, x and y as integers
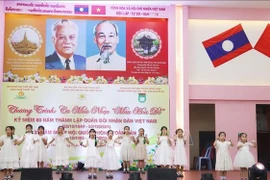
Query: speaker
{"type": "Point", "coordinates": [207, 176]}
{"type": "Point", "coordinates": [66, 176]}
{"type": "Point", "coordinates": [36, 173]}
{"type": "Point", "coordinates": [135, 176]}
{"type": "Point", "coordinates": [161, 174]}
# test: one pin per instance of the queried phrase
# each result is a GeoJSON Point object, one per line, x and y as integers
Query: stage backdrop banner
{"type": "Point", "coordinates": [81, 108]}
{"type": "Point", "coordinates": [84, 49]}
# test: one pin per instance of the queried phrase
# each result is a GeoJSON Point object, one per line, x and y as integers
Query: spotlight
{"type": "Point", "coordinates": [135, 176]}
{"type": "Point", "coordinates": [66, 176]}
{"type": "Point", "coordinates": [257, 172]}
{"type": "Point", "coordinates": [207, 176]}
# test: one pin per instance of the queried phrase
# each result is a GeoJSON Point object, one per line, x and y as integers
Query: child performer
{"type": "Point", "coordinates": [16, 153]}
{"type": "Point", "coordinates": [180, 156]}
{"type": "Point", "coordinates": [164, 152]}
{"type": "Point", "coordinates": [41, 147]}
{"type": "Point", "coordinates": [110, 161]}
{"type": "Point", "coordinates": [29, 152]}
{"type": "Point", "coordinates": [8, 158]}
{"type": "Point", "coordinates": [244, 158]}
{"type": "Point", "coordinates": [92, 158]}
{"type": "Point", "coordinates": [127, 151]}
{"type": "Point", "coordinates": [223, 157]}
{"type": "Point", "coordinates": [60, 157]}
{"type": "Point", "coordinates": [140, 150]}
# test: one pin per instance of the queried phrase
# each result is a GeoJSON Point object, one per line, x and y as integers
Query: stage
{"type": "Point", "coordinates": [188, 175]}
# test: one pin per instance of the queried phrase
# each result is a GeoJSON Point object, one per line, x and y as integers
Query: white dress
{"type": "Point", "coordinates": [127, 152]}
{"type": "Point", "coordinates": [140, 150]}
{"type": "Point", "coordinates": [164, 152]}
{"type": "Point", "coordinates": [8, 157]}
{"type": "Point", "coordinates": [223, 157]}
{"type": "Point", "coordinates": [60, 156]}
{"type": "Point", "coordinates": [180, 155]}
{"type": "Point", "coordinates": [41, 148]}
{"type": "Point", "coordinates": [16, 152]}
{"type": "Point", "coordinates": [92, 157]}
{"type": "Point", "coordinates": [244, 158]}
{"type": "Point", "coordinates": [29, 152]}
{"type": "Point", "coordinates": [110, 160]}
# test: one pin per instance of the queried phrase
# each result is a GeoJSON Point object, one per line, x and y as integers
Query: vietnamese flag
{"type": "Point", "coordinates": [98, 10]}
{"type": "Point", "coordinates": [263, 44]}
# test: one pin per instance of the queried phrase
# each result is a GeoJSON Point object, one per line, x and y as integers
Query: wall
{"type": "Point", "coordinates": [250, 68]}
{"type": "Point", "coordinates": [235, 108]}
{"type": "Point", "coordinates": [234, 117]}
{"type": "Point", "coordinates": [2, 20]}
{"type": "Point", "coordinates": [237, 86]}
{"type": "Point", "coordinates": [202, 118]}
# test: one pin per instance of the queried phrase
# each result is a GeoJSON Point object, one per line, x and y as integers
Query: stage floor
{"type": "Point", "coordinates": [188, 175]}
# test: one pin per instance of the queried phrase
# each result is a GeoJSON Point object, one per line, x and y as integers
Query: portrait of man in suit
{"type": "Point", "coordinates": [65, 41]}
{"type": "Point", "coordinates": [106, 37]}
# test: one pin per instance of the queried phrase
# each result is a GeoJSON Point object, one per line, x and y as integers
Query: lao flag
{"type": "Point", "coordinates": [95, 10]}
{"type": "Point", "coordinates": [227, 45]}
{"type": "Point", "coordinates": [263, 44]}
{"type": "Point", "coordinates": [81, 9]}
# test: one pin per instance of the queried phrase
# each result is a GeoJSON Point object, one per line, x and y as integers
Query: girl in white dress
{"type": "Point", "coordinates": [41, 146]}
{"type": "Point", "coordinates": [29, 152]}
{"type": "Point", "coordinates": [223, 157]}
{"type": "Point", "coordinates": [92, 158]}
{"type": "Point", "coordinates": [110, 161]}
{"type": "Point", "coordinates": [127, 152]}
{"type": "Point", "coordinates": [140, 150]}
{"type": "Point", "coordinates": [164, 152]}
{"type": "Point", "coordinates": [16, 153]}
{"type": "Point", "coordinates": [180, 155]}
{"type": "Point", "coordinates": [60, 156]}
{"type": "Point", "coordinates": [8, 158]}
{"type": "Point", "coordinates": [244, 159]}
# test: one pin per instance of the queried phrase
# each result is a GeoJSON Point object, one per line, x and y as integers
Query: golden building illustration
{"type": "Point", "coordinates": [24, 46]}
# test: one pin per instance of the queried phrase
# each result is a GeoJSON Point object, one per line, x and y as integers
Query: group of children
{"type": "Point", "coordinates": [243, 158]}
{"type": "Point", "coordinates": [34, 151]}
